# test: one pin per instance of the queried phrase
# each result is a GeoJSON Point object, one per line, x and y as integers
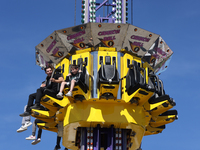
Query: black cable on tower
{"type": "Point", "coordinates": [75, 14]}
{"type": "Point", "coordinates": [132, 12]}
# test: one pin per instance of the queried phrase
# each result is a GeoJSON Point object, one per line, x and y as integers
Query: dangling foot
{"type": "Point", "coordinates": [59, 95]}
{"type": "Point", "coordinates": [57, 147]}
{"type": "Point", "coordinates": [36, 141]}
{"type": "Point", "coordinates": [25, 114]}
{"type": "Point", "coordinates": [21, 129]}
{"type": "Point", "coordinates": [36, 106]}
{"type": "Point", "coordinates": [31, 137]}
{"type": "Point", "coordinates": [27, 124]}
{"type": "Point", "coordinates": [69, 94]}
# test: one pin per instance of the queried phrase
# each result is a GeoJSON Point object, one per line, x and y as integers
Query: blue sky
{"type": "Point", "coordinates": [24, 24]}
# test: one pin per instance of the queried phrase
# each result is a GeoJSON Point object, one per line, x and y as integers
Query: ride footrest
{"type": "Point", "coordinates": [159, 105]}
{"type": "Point", "coordinates": [140, 96]}
{"type": "Point", "coordinates": [47, 116]}
{"type": "Point", "coordinates": [109, 91]}
{"type": "Point", "coordinates": [78, 94]}
{"type": "Point", "coordinates": [154, 130]}
{"type": "Point", "coordinates": [55, 102]}
{"type": "Point", "coordinates": [165, 118]}
{"type": "Point", "coordinates": [48, 126]}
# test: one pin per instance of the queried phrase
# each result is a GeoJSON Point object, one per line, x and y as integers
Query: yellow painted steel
{"type": "Point", "coordinates": [60, 115]}
{"type": "Point", "coordinates": [108, 49]}
{"type": "Point", "coordinates": [48, 126]}
{"type": "Point", "coordinates": [150, 107]}
{"type": "Point", "coordinates": [119, 114]}
{"type": "Point", "coordinates": [64, 64]}
{"type": "Point", "coordinates": [162, 120]}
{"type": "Point", "coordinates": [50, 107]}
{"type": "Point", "coordinates": [89, 67]}
{"type": "Point", "coordinates": [137, 94]}
{"type": "Point", "coordinates": [43, 113]}
{"type": "Point", "coordinates": [147, 68]}
{"type": "Point", "coordinates": [84, 50]}
{"type": "Point", "coordinates": [161, 108]}
{"type": "Point", "coordinates": [158, 108]}
{"type": "Point", "coordinates": [141, 117]}
{"type": "Point", "coordinates": [52, 101]}
{"type": "Point", "coordinates": [152, 130]}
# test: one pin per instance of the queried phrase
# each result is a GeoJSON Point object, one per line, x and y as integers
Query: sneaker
{"type": "Point", "coordinates": [35, 106]}
{"type": "Point", "coordinates": [57, 147]}
{"type": "Point", "coordinates": [21, 129]}
{"type": "Point", "coordinates": [59, 95]}
{"type": "Point", "coordinates": [31, 137]}
{"type": "Point", "coordinates": [27, 124]}
{"type": "Point", "coordinates": [36, 141]}
{"type": "Point", "coordinates": [25, 114]}
{"type": "Point", "coordinates": [69, 94]}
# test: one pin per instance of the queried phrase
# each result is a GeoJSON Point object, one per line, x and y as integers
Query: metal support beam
{"type": "Point", "coordinates": [101, 4]}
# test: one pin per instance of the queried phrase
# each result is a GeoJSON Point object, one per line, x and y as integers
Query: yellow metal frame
{"type": "Point", "coordinates": [142, 118]}
{"type": "Point", "coordinates": [89, 114]}
{"type": "Point", "coordinates": [89, 68]}
{"type": "Point", "coordinates": [157, 108]}
{"type": "Point", "coordinates": [152, 130]}
{"type": "Point", "coordinates": [124, 70]}
{"type": "Point", "coordinates": [162, 120]}
{"type": "Point", "coordinates": [109, 52]}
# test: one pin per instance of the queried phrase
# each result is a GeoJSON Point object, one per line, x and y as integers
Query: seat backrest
{"type": "Point", "coordinates": [154, 82]}
{"type": "Point", "coordinates": [162, 91]}
{"type": "Point", "coordinates": [80, 63]}
{"type": "Point", "coordinates": [108, 71]}
{"type": "Point", "coordinates": [107, 60]}
{"type": "Point", "coordinates": [140, 78]}
{"type": "Point", "coordinates": [58, 71]}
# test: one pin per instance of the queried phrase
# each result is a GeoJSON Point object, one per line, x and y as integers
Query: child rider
{"type": "Point", "coordinates": [73, 77]}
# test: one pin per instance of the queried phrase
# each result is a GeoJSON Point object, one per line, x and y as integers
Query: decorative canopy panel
{"type": "Point", "coordinates": [142, 43]}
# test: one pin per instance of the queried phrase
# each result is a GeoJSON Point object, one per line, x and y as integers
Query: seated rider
{"type": "Point", "coordinates": [50, 83]}
{"type": "Point", "coordinates": [73, 77]}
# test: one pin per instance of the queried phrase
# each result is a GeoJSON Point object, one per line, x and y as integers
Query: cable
{"type": "Point", "coordinates": [132, 12]}
{"type": "Point", "coordinates": [75, 14]}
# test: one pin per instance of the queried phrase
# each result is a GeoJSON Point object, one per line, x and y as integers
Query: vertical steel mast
{"type": "Point", "coordinates": [117, 11]}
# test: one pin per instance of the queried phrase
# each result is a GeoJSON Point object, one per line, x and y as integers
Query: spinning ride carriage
{"type": "Point", "coordinates": [119, 98]}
